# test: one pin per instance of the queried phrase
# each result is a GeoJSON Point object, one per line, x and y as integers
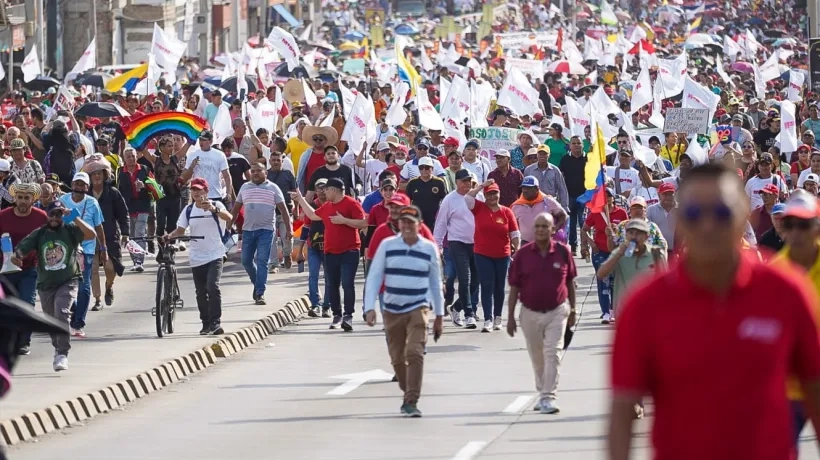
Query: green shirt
{"type": "Point", "coordinates": [56, 254]}
{"type": "Point", "coordinates": [558, 150]}
{"type": "Point", "coordinates": [629, 269]}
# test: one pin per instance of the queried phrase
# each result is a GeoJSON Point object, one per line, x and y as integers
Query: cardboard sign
{"type": "Point", "coordinates": [686, 120]}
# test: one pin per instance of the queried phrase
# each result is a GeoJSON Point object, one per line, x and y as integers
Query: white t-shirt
{"type": "Point", "coordinates": [629, 178]}
{"type": "Point", "coordinates": [480, 168]}
{"type": "Point", "coordinates": [372, 168]}
{"type": "Point", "coordinates": [210, 167]}
{"type": "Point", "coordinates": [650, 194]}
{"type": "Point", "coordinates": [802, 177]}
{"type": "Point", "coordinates": [756, 184]}
{"type": "Point", "coordinates": [202, 223]}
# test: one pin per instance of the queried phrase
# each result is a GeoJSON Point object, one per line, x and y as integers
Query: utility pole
{"type": "Point", "coordinates": [93, 19]}
{"type": "Point", "coordinates": [39, 16]}
{"type": "Point", "coordinates": [10, 72]}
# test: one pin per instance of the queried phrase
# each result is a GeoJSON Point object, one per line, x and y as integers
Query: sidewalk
{"type": "Point", "coordinates": [122, 340]}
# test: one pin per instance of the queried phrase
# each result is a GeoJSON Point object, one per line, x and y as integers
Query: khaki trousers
{"type": "Point", "coordinates": [406, 337]}
{"type": "Point", "coordinates": [544, 333]}
{"type": "Point", "coordinates": [110, 275]}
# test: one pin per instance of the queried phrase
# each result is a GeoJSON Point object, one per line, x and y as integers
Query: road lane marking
{"type": "Point", "coordinates": [356, 380]}
{"type": "Point", "coordinates": [518, 404]}
{"type": "Point", "coordinates": [470, 450]}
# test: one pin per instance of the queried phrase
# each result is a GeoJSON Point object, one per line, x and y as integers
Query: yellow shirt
{"type": "Point", "coordinates": [673, 155]}
{"type": "Point", "coordinates": [295, 148]}
{"type": "Point", "coordinates": [793, 390]}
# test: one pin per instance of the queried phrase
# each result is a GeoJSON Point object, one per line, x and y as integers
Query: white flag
{"type": "Point", "coordinates": [722, 72]}
{"type": "Point", "coordinates": [642, 92]}
{"type": "Point", "coordinates": [456, 104]}
{"type": "Point", "coordinates": [638, 33]}
{"type": "Point", "coordinates": [518, 95]}
{"type": "Point", "coordinates": [310, 96]}
{"type": "Point", "coordinates": [670, 76]}
{"type": "Point", "coordinates": [330, 66]}
{"type": "Point", "coordinates": [268, 114]}
{"type": "Point", "coordinates": [481, 97]}
{"type": "Point", "coordinates": [87, 61]}
{"type": "Point", "coordinates": [31, 65]}
{"type": "Point", "coordinates": [167, 50]}
{"type": "Point", "coordinates": [698, 154]}
{"type": "Point", "coordinates": [795, 86]}
{"type": "Point", "coordinates": [770, 69]}
{"type": "Point", "coordinates": [396, 115]}
{"type": "Point", "coordinates": [695, 96]}
{"type": "Point", "coordinates": [222, 127]}
{"type": "Point", "coordinates": [731, 48]}
{"type": "Point", "coordinates": [608, 14]}
{"type": "Point", "coordinates": [788, 128]}
{"type": "Point", "coordinates": [328, 121]}
{"type": "Point", "coordinates": [348, 98]}
{"type": "Point", "coordinates": [760, 84]}
{"type": "Point", "coordinates": [578, 118]}
{"type": "Point", "coordinates": [355, 132]}
{"type": "Point", "coordinates": [750, 44]}
{"type": "Point", "coordinates": [426, 63]}
{"type": "Point", "coordinates": [284, 42]}
{"type": "Point", "coordinates": [428, 117]}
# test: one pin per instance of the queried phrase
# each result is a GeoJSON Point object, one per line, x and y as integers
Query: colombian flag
{"type": "Point", "coordinates": [694, 25]}
{"type": "Point", "coordinates": [594, 175]}
{"type": "Point", "coordinates": [128, 80]}
{"type": "Point", "coordinates": [406, 71]}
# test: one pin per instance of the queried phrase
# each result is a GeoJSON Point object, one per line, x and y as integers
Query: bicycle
{"type": "Point", "coordinates": [168, 298]}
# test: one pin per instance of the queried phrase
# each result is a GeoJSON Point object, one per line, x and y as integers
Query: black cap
{"type": "Point", "coordinates": [335, 182]}
{"type": "Point", "coordinates": [625, 152]}
{"type": "Point", "coordinates": [102, 140]}
{"type": "Point", "coordinates": [766, 158]}
{"type": "Point", "coordinates": [410, 213]}
{"type": "Point", "coordinates": [463, 174]}
{"type": "Point", "coordinates": [207, 135]}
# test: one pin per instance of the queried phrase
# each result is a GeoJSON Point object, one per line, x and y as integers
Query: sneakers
{"type": "Point", "coordinates": [549, 407]}
{"type": "Point", "coordinates": [537, 406]}
{"type": "Point", "coordinates": [109, 296]}
{"type": "Point", "coordinates": [79, 333]}
{"type": "Point", "coordinates": [272, 268]}
{"type": "Point", "coordinates": [216, 329]}
{"type": "Point", "coordinates": [488, 326]}
{"type": "Point", "coordinates": [326, 312]}
{"type": "Point", "coordinates": [288, 263]}
{"type": "Point", "coordinates": [410, 410]}
{"type": "Point", "coordinates": [206, 328]}
{"type": "Point", "coordinates": [137, 268]}
{"type": "Point", "coordinates": [255, 296]}
{"type": "Point", "coordinates": [60, 363]}
{"type": "Point", "coordinates": [456, 316]}
{"type": "Point", "coordinates": [470, 323]}
{"type": "Point", "coordinates": [314, 312]}
{"type": "Point", "coordinates": [260, 300]}
{"type": "Point", "coordinates": [606, 319]}
{"type": "Point", "coordinates": [337, 322]}
{"type": "Point", "coordinates": [497, 323]}
{"type": "Point", "coordinates": [347, 323]}
{"type": "Point", "coordinates": [97, 306]}
{"type": "Point", "coordinates": [25, 350]}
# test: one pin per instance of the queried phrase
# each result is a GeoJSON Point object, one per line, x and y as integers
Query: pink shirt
{"type": "Point", "coordinates": [525, 215]}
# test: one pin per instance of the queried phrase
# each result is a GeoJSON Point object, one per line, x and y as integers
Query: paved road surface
{"type": "Point", "coordinates": [280, 400]}
{"type": "Point", "coordinates": [122, 339]}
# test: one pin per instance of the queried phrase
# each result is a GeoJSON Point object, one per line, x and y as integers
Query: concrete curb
{"type": "Point", "coordinates": [74, 411]}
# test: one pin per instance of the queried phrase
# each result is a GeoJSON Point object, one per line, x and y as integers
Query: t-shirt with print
{"type": "Point", "coordinates": [340, 238]}
{"type": "Point", "coordinates": [650, 194]}
{"type": "Point", "coordinates": [628, 178]}
{"type": "Point", "coordinates": [210, 167]}
{"type": "Point", "coordinates": [202, 223]}
{"type": "Point", "coordinates": [31, 173]}
{"type": "Point", "coordinates": [90, 213]}
{"type": "Point", "coordinates": [260, 202]}
{"type": "Point", "coordinates": [167, 175]}
{"type": "Point", "coordinates": [238, 166]}
{"type": "Point", "coordinates": [755, 184]}
{"type": "Point", "coordinates": [56, 254]}
{"type": "Point", "coordinates": [114, 132]}
{"type": "Point", "coordinates": [19, 227]}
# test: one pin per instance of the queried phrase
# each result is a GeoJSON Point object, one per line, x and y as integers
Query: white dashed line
{"type": "Point", "coordinates": [518, 404]}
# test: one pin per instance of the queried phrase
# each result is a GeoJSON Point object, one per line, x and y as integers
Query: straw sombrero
{"type": "Point", "coordinates": [329, 132]}
{"type": "Point", "coordinates": [25, 187]}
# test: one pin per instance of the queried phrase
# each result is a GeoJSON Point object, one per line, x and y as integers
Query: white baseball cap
{"type": "Point", "coordinates": [812, 177]}
{"type": "Point", "coordinates": [81, 176]}
{"type": "Point", "coordinates": [383, 146]}
{"type": "Point", "coordinates": [425, 161]}
{"type": "Point", "coordinates": [5, 165]}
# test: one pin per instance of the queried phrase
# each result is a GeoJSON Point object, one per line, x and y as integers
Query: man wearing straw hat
{"type": "Point", "coordinates": [19, 221]}
{"type": "Point", "coordinates": [319, 137]}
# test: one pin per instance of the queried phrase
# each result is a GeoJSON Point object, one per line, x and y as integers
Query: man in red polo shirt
{"type": "Point", "coordinates": [542, 275]}
{"type": "Point", "coordinates": [728, 332]}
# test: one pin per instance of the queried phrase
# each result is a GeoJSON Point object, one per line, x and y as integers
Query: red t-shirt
{"type": "Point", "coordinates": [679, 343]}
{"type": "Point", "coordinates": [386, 231]}
{"type": "Point", "coordinates": [492, 230]}
{"type": "Point", "coordinates": [797, 168]}
{"type": "Point", "coordinates": [597, 222]}
{"type": "Point", "coordinates": [395, 169]}
{"type": "Point", "coordinates": [316, 161]}
{"type": "Point", "coordinates": [20, 227]}
{"type": "Point", "coordinates": [340, 238]}
{"type": "Point", "coordinates": [378, 215]}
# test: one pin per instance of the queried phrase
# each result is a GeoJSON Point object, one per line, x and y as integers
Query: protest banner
{"type": "Point", "coordinates": [686, 120]}
{"type": "Point", "coordinates": [495, 138]}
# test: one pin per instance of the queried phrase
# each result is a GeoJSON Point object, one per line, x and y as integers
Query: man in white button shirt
{"type": "Point", "coordinates": [411, 169]}
{"type": "Point", "coordinates": [455, 221]}
{"type": "Point", "coordinates": [479, 166]}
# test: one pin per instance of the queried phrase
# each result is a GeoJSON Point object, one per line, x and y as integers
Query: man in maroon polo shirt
{"type": "Point", "coordinates": [542, 275]}
{"type": "Point", "coordinates": [715, 354]}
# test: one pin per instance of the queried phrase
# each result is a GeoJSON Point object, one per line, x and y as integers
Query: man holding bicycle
{"type": "Point", "coordinates": [205, 255]}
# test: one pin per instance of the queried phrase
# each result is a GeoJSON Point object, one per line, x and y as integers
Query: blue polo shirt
{"type": "Point", "coordinates": [90, 213]}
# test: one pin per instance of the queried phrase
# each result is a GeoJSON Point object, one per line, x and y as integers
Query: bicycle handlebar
{"type": "Point", "coordinates": [161, 239]}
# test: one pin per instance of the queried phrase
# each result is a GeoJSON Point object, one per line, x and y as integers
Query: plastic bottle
{"type": "Point", "coordinates": [630, 249]}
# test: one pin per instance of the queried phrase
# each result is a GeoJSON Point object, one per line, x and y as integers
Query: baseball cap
{"type": "Point", "coordinates": [423, 142]}
{"type": "Point", "coordinates": [503, 153]}
{"type": "Point", "coordinates": [532, 151]}
{"type": "Point", "coordinates": [754, 101]}
{"type": "Point", "coordinates": [382, 146]}
{"type": "Point", "coordinates": [451, 141]}
{"type": "Point", "coordinates": [802, 207]}
{"type": "Point", "coordinates": [5, 165]}
{"type": "Point", "coordinates": [320, 182]}
{"type": "Point", "coordinates": [425, 161]}
{"type": "Point", "coordinates": [56, 204]}
{"type": "Point", "coordinates": [463, 174]}
{"type": "Point", "coordinates": [390, 182]}
{"type": "Point", "coordinates": [400, 199]}
{"type": "Point", "coordinates": [473, 143]}
{"type": "Point", "coordinates": [770, 189]}
{"type": "Point", "coordinates": [530, 181]}
{"type": "Point", "coordinates": [638, 224]}
{"type": "Point", "coordinates": [83, 177]}
{"type": "Point", "coordinates": [737, 117]}
{"type": "Point", "coordinates": [492, 188]}
{"type": "Point", "coordinates": [610, 191]}
{"type": "Point", "coordinates": [637, 201]}
{"type": "Point", "coordinates": [199, 184]}
{"type": "Point", "coordinates": [766, 158]}
{"type": "Point", "coordinates": [335, 182]}
{"type": "Point", "coordinates": [410, 213]}
{"type": "Point", "coordinates": [778, 209]}
{"type": "Point", "coordinates": [102, 140]}
{"type": "Point", "coordinates": [625, 153]}
{"type": "Point", "coordinates": [206, 135]}
{"type": "Point", "coordinates": [17, 144]}
{"type": "Point", "coordinates": [543, 148]}
{"type": "Point", "coordinates": [812, 177]}
{"type": "Point", "coordinates": [666, 187]}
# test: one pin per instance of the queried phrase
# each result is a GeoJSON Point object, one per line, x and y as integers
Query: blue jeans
{"type": "Point", "coordinates": [255, 253]}
{"type": "Point", "coordinates": [492, 276]}
{"type": "Point", "coordinates": [83, 294]}
{"type": "Point", "coordinates": [604, 285]}
{"type": "Point", "coordinates": [315, 261]}
{"type": "Point", "coordinates": [340, 272]}
{"type": "Point", "coordinates": [464, 263]}
{"type": "Point", "coordinates": [25, 282]}
{"type": "Point", "coordinates": [576, 218]}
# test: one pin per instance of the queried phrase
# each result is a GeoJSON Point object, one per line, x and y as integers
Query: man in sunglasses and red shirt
{"type": "Point", "coordinates": [731, 331]}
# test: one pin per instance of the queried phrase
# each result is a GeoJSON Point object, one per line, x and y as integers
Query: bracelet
{"type": "Point", "coordinates": [572, 310]}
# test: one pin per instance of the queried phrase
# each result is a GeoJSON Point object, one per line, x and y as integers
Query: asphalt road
{"type": "Point", "coordinates": [296, 396]}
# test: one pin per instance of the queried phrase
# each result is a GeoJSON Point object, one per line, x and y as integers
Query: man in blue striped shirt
{"type": "Point", "coordinates": [401, 261]}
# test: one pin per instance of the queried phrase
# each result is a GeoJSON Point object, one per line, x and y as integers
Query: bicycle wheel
{"type": "Point", "coordinates": [170, 305]}
{"type": "Point", "coordinates": [161, 300]}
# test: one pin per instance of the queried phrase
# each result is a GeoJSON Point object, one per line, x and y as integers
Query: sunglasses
{"type": "Point", "coordinates": [695, 213]}
{"type": "Point", "coordinates": [421, 147]}
{"type": "Point", "coordinates": [793, 223]}
{"type": "Point", "coordinates": [425, 167]}
{"type": "Point", "coordinates": [319, 138]}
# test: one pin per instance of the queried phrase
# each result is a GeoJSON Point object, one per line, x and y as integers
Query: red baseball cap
{"type": "Point", "coordinates": [771, 189]}
{"type": "Point", "coordinates": [666, 187]}
{"type": "Point", "coordinates": [451, 141]}
{"type": "Point", "coordinates": [492, 188]}
{"type": "Point", "coordinates": [199, 184]}
{"type": "Point", "coordinates": [399, 199]}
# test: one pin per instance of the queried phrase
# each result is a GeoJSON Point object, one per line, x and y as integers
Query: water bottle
{"type": "Point", "coordinates": [8, 253]}
{"type": "Point", "coordinates": [630, 249]}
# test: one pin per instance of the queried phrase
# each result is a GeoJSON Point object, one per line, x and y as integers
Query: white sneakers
{"type": "Point", "coordinates": [606, 319]}
{"type": "Point", "coordinates": [60, 363]}
{"type": "Point", "coordinates": [497, 323]}
{"type": "Point", "coordinates": [456, 316]}
{"type": "Point", "coordinates": [79, 333]}
{"type": "Point", "coordinates": [548, 407]}
{"type": "Point", "coordinates": [488, 326]}
{"type": "Point", "coordinates": [470, 323]}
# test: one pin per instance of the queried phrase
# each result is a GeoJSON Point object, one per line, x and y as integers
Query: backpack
{"type": "Point", "coordinates": [224, 235]}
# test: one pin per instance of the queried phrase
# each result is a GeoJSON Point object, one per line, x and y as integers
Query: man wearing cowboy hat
{"type": "Point", "coordinates": [19, 221]}
{"type": "Point", "coordinates": [319, 137]}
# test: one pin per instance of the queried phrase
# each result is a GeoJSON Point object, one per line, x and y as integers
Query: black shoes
{"type": "Point", "coordinates": [97, 306]}
{"type": "Point", "coordinates": [109, 296]}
